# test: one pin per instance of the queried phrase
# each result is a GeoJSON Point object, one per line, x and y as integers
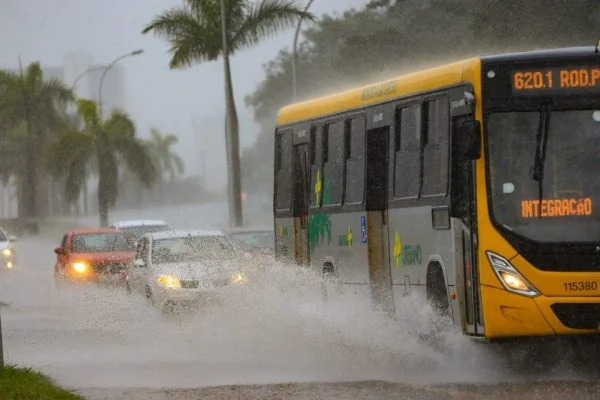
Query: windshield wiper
{"type": "Point", "coordinates": [537, 172]}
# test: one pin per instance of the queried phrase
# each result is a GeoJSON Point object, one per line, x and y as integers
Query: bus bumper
{"type": "Point", "coordinates": [511, 315]}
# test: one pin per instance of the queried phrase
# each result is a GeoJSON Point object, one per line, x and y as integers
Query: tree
{"type": "Point", "coordinates": [399, 36]}
{"type": "Point", "coordinates": [105, 143]}
{"type": "Point", "coordinates": [164, 159]}
{"type": "Point", "coordinates": [29, 109]}
{"type": "Point", "coordinates": [195, 33]}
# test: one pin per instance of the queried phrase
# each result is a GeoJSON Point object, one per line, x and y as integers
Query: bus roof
{"type": "Point", "coordinates": [446, 75]}
{"type": "Point", "coordinates": [539, 55]}
{"type": "Point", "coordinates": [428, 79]}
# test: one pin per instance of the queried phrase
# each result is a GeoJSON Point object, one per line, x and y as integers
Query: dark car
{"type": "Point", "coordinates": [253, 240]}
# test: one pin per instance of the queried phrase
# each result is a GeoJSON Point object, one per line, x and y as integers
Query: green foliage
{"type": "Point", "coordinates": [391, 37]}
{"type": "Point", "coordinates": [163, 158]}
{"type": "Point", "coordinates": [107, 144]}
{"type": "Point", "coordinates": [30, 117]}
{"type": "Point", "coordinates": [194, 29]}
{"type": "Point", "coordinates": [25, 384]}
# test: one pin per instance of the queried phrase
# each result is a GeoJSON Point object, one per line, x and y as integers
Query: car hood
{"type": "Point", "coordinates": [4, 245]}
{"type": "Point", "coordinates": [194, 270]}
{"type": "Point", "coordinates": [105, 257]}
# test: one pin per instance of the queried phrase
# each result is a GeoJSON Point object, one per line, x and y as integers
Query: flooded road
{"type": "Point", "coordinates": [284, 326]}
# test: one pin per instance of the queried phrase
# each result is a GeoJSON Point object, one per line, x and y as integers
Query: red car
{"type": "Point", "coordinates": [93, 255]}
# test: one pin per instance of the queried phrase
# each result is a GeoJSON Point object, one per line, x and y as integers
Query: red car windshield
{"type": "Point", "coordinates": [99, 242]}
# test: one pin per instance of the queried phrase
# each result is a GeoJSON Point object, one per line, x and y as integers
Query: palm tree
{"type": "Point", "coordinates": [164, 159]}
{"type": "Point", "coordinates": [106, 143]}
{"type": "Point", "coordinates": [196, 34]}
{"type": "Point", "coordinates": [31, 104]}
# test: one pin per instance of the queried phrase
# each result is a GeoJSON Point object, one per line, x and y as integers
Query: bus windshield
{"type": "Point", "coordinates": [567, 208]}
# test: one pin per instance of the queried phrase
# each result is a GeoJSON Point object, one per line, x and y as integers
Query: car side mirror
{"type": "Point", "coordinates": [468, 139]}
{"type": "Point", "coordinates": [60, 251]}
{"type": "Point", "coordinates": [12, 238]}
{"type": "Point", "coordinates": [139, 263]}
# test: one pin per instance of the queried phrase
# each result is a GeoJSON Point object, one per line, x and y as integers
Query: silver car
{"type": "Point", "coordinates": [182, 268]}
{"type": "Point", "coordinates": [8, 257]}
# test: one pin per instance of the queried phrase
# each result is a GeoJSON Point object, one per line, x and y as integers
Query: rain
{"type": "Point", "coordinates": [349, 199]}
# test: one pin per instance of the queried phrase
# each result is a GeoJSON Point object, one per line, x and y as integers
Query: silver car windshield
{"type": "Point", "coordinates": [191, 248]}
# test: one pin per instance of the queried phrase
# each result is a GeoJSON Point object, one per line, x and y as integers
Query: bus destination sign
{"type": "Point", "coordinates": [571, 80]}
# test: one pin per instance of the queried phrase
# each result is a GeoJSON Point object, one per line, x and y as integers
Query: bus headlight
{"type": "Point", "coordinates": [510, 278]}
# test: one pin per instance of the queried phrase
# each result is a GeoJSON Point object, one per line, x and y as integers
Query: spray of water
{"type": "Point", "coordinates": [286, 324]}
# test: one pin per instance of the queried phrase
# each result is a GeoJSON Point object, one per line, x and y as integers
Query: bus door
{"type": "Point", "coordinates": [464, 209]}
{"type": "Point", "coordinates": [300, 202]}
{"type": "Point", "coordinates": [376, 209]}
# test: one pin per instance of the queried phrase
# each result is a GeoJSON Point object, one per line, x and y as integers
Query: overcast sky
{"type": "Point", "coordinates": [173, 101]}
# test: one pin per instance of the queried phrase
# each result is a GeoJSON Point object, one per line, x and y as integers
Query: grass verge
{"type": "Point", "coordinates": [25, 384]}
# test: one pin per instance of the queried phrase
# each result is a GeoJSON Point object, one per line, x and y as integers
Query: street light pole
{"type": "Point", "coordinates": [106, 69]}
{"type": "Point", "coordinates": [81, 75]}
{"type": "Point", "coordinates": [295, 52]}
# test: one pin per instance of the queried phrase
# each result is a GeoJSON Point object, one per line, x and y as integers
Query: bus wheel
{"type": "Point", "coordinates": [328, 270]}
{"type": "Point", "coordinates": [437, 296]}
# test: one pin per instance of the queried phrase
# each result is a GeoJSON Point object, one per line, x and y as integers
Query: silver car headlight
{"type": "Point", "coordinates": [168, 281]}
{"type": "Point", "coordinates": [7, 253]}
{"type": "Point", "coordinates": [239, 278]}
{"type": "Point", "coordinates": [510, 278]}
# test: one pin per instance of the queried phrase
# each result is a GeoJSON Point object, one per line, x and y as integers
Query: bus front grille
{"type": "Point", "coordinates": [578, 315]}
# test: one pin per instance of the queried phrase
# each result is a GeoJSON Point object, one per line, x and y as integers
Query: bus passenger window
{"type": "Point", "coordinates": [355, 162]}
{"type": "Point", "coordinates": [407, 168]}
{"type": "Point", "coordinates": [316, 172]}
{"type": "Point", "coordinates": [313, 145]}
{"type": "Point", "coordinates": [435, 151]}
{"type": "Point", "coordinates": [335, 141]}
{"type": "Point", "coordinates": [333, 168]}
{"type": "Point", "coordinates": [283, 170]}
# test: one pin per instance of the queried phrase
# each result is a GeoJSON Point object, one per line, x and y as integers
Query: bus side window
{"type": "Point", "coordinates": [407, 160]}
{"type": "Point", "coordinates": [355, 162]}
{"type": "Point", "coordinates": [435, 151]}
{"type": "Point", "coordinates": [316, 172]}
{"type": "Point", "coordinates": [333, 168]}
{"type": "Point", "coordinates": [283, 170]}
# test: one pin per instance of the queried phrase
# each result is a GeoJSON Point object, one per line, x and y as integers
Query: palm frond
{"type": "Point", "coordinates": [138, 161]}
{"type": "Point", "coordinates": [118, 127]}
{"type": "Point", "coordinates": [265, 19]}
{"type": "Point", "coordinates": [88, 111]}
{"type": "Point", "coordinates": [169, 139]}
{"type": "Point", "coordinates": [191, 39]}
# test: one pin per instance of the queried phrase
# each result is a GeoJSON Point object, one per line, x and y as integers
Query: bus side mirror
{"type": "Point", "coordinates": [468, 137]}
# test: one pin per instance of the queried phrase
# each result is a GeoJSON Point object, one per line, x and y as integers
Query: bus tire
{"type": "Point", "coordinates": [435, 284]}
{"type": "Point", "coordinates": [328, 270]}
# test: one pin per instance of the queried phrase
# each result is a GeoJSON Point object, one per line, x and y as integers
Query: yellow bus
{"type": "Point", "coordinates": [475, 184]}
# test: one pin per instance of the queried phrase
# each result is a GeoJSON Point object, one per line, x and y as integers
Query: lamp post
{"type": "Point", "coordinates": [81, 75]}
{"type": "Point", "coordinates": [295, 52]}
{"type": "Point", "coordinates": [106, 69]}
